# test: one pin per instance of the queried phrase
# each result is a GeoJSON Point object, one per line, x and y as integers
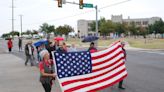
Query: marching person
{"type": "Point", "coordinates": [10, 44]}
{"type": "Point", "coordinates": [120, 86]}
{"type": "Point", "coordinates": [46, 71]}
{"type": "Point", "coordinates": [20, 43]}
{"type": "Point", "coordinates": [72, 48]}
{"type": "Point", "coordinates": [29, 53]}
{"type": "Point", "coordinates": [92, 47]}
{"type": "Point", "coordinates": [50, 48]}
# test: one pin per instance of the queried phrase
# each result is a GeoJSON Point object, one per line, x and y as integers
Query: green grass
{"type": "Point", "coordinates": [148, 44]}
{"type": "Point", "coordinates": [138, 43]}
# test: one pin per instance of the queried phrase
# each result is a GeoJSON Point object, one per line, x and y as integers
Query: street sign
{"type": "Point", "coordinates": [88, 5]}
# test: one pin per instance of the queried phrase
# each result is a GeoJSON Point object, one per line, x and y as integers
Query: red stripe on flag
{"type": "Point", "coordinates": [93, 83]}
{"type": "Point", "coordinates": [89, 78]}
{"type": "Point", "coordinates": [107, 60]}
{"type": "Point", "coordinates": [102, 87]}
{"type": "Point", "coordinates": [105, 54]}
{"type": "Point", "coordinates": [107, 65]}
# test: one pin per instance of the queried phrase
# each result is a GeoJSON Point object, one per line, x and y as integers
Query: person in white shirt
{"type": "Point", "coordinates": [72, 48]}
{"type": "Point", "coordinates": [29, 52]}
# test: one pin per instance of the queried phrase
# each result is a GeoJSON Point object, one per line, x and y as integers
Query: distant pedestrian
{"type": "Point", "coordinates": [29, 53]}
{"type": "Point", "coordinates": [72, 48]}
{"type": "Point", "coordinates": [62, 48]}
{"type": "Point", "coordinates": [56, 44]}
{"type": "Point", "coordinates": [20, 43]}
{"type": "Point", "coordinates": [120, 86]}
{"type": "Point", "coordinates": [10, 45]}
{"type": "Point", "coordinates": [39, 49]}
{"type": "Point", "coordinates": [50, 48]}
{"type": "Point", "coordinates": [92, 47]}
{"type": "Point", "coordinates": [46, 71]}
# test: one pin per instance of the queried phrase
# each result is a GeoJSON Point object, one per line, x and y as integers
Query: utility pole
{"type": "Point", "coordinates": [96, 20]}
{"type": "Point", "coordinates": [96, 42]}
{"type": "Point", "coordinates": [12, 7]}
{"type": "Point", "coordinates": [21, 24]}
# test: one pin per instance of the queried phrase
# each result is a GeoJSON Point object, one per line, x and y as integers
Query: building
{"type": "Point", "coordinates": [144, 22]}
{"type": "Point", "coordinates": [84, 29]}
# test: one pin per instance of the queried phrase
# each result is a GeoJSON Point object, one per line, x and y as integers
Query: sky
{"type": "Point", "coordinates": [37, 12]}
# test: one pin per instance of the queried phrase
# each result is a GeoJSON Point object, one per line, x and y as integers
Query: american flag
{"type": "Point", "coordinates": [89, 72]}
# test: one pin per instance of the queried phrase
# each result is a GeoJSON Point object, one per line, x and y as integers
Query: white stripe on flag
{"type": "Point", "coordinates": [106, 57]}
{"type": "Point", "coordinates": [102, 83]}
{"type": "Point", "coordinates": [95, 79]}
{"type": "Point", "coordinates": [90, 75]}
{"type": "Point", "coordinates": [106, 50]}
{"type": "Point", "coordinates": [107, 63]}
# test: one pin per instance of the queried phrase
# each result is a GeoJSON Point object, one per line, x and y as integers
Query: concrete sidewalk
{"type": "Point", "coordinates": [15, 77]}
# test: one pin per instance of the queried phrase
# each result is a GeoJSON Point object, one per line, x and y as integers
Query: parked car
{"type": "Point", "coordinates": [36, 37]}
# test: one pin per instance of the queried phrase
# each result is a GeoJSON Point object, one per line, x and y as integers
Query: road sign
{"type": "Point", "coordinates": [88, 5]}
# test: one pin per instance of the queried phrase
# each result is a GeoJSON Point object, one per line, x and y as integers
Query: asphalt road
{"type": "Point", "coordinates": [145, 70]}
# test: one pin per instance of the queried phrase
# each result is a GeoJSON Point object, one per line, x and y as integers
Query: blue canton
{"type": "Point", "coordinates": [73, 63]}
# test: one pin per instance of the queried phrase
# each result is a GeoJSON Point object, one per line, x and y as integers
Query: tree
{"type": "Point", "coordinates": [5, 35]}
{"type": "Point", "coordinates": [93, 24]}
{"type": "Point", "coordinates": [133, 29]}
{"type": "Point", "coordinates": [120, 28]}
{"type": "Point", "coordinates": [34, 32]}
{"type": "Point", "coordinates": [157, 27]}
{"type": "Point", "coordinates": [106, 27]}
{"type": "Point", "coordinates": [14, 33]}
{"type": "Point", "coordinates": [64, 30]}
{"type": "Point", "coordinates": [28, 32]}
{"type": "Point", "coordinates": [47, 29]}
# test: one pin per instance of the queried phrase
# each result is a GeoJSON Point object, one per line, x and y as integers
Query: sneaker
{"type": "Point", "coordinates": [122, 88]}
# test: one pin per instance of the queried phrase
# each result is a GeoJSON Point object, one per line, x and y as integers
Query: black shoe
{"type": "Point", "coordinates": [122, 88]}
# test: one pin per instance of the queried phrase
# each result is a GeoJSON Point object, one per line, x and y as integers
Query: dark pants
{"type": "Point", "coordinates": [20, 47]}
{"type": "Point", "coordinates": [47, 87]}
{"type": "Point", "coordinates": [120, 83]}
{"type": "Point", "coordinates": [10, 49]}
{"type": "Point", "coordinates": [29, 57]}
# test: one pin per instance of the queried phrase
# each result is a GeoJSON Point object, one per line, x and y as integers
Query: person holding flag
{"type": "Point", "coordinates": [120, 86]}
{"type": "Point", "coordinates": [46, 67]}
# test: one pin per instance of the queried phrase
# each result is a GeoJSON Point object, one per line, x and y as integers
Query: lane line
{"type": "Point", "coordinates": [151, 52]}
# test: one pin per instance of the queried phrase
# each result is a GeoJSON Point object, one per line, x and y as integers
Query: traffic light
{"type": "Point", "coordinates": [81, 4]}
{"type": "Point", "coordinates": [59, 3]}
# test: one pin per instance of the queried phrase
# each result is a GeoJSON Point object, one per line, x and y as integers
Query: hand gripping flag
{"type": "Point", "coordinates": [89, 72]}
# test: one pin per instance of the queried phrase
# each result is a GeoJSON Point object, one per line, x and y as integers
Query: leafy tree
{"type": "Point", "coordinates": [133, 29]}
{"type": "Point", "coordinates": [34, 32]}
{"type": "Point", "coordinates": [106, 27]}
{"type": "Point", "coordinates": [28, 32]}
{"type": "Point", "coordinates": [5, 35]}
{"type": "Point", "coordinates": [93, 24]}
{"type": "Point", "coordinates": [46, 28]}
{"type": "Point", "coordinates": [120, 28]}
{"type": "Point", "coordinates": [64, 30]}
{"type": "Point", "coordinates": [14, 33]}
{"type": "Point", "coordinates": [157, 27]}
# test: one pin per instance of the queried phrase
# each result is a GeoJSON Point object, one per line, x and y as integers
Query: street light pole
{"type": "Point", "coordinates": [12, 17]}
{"type": "Point", "coordinates": [96, 7]}
{"type": "Point", "coordinates": [96, 20]}
{"type": "Point", "coordinates": [21, 24]}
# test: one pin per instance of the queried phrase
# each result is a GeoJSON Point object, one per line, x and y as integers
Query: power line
{"type": "Point", "coordinates": [70, 16]}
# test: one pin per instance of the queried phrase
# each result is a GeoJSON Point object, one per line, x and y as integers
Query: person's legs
{"type": "Point", "coordinates": [47, 87]}
{"type": "Point", "coordinates": [31, 60]}
{"type": "Point", "coordinates": [27, 59]}
{"type": "Point", "coordinates": [9, 49]}
{"type": "Point", "coordinates": [120, 85]}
